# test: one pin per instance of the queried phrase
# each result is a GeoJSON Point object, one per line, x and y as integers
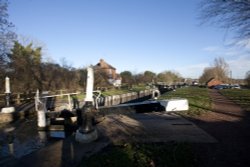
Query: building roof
{"type": "Point", "coordinates": [210, 80]}
{"type": "Point", "coordinates": [104, 65]}
{"type": "Point", "coordinates": [213, 82]}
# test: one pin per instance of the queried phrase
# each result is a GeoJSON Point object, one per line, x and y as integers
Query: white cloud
{"type": "Point", "coordinates": [228, 50]}
{"type": "Point", "coordinates": [244, 43]}
{"type": "Point", "coordinates": [237, 56]}
{"type": "Point", "coordinates": [192, 71]}
{"type": "Point", "coordinates": [239, 66]}
{"type": "Point", "coordinates": [211, 49]}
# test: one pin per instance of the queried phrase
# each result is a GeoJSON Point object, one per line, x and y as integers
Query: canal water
{"type": "Point", "coordinates": [22, 138]}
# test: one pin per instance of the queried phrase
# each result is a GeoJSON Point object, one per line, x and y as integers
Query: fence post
{"type": "Point", "coordinates": [61, 92]}
{"type": "Point", "coordinates": [69, 103]}
{"type": "Point", "coordinates": [18, 100]}
{"type": "Point", "coordinates": [36, 99]}
{"type": "Point", "coordinates": [41, 112]}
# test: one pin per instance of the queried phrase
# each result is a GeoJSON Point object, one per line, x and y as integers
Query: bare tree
{"type": "Point", "coordinates": [6, 37]}
{"type": "Point", "coordinates": [82, 77]}
{"type": "Point", "coordinates": [219, 70]}
{"type": "Point", "coordinates": [229, 14]}
{"type": "Point", "coordinates": [101, 79]}
{"type": "Point", "coordinates": [138, 78]}
{"type": "Point", "coordinates": [169, 77]}
{"type": "Point", "coordinates": [149, 76]}
{"type": "Point", "coordinates": [208, 73]}
{"type": "Point", "coordinates": [127, 77]}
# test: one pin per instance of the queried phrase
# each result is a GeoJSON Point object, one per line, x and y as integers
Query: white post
{"type": "Point", "coordinates": [41, 117]}
{"type": "Point", "coordinates": [41, 112]}
{"type": "Point", "coordinates": [69, 103]}
{"type": "Point", "coordinates": [90, 85]}
{"type": "Point", "coordinates": [7, 108]}
{"type": "Point", "coordinates": [37, 99]}
{"type": "Point", "coordinates": [87, 131]}
{"type": "Point", "coordinates": [7, 85]}
{"type": "Point", "coordinates": [11, 148]}
{"type": "Point", "coordinates": [42, 136]}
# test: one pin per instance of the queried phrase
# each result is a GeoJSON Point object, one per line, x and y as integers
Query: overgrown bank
{"type": "Point", "coordinates": [144, 155]}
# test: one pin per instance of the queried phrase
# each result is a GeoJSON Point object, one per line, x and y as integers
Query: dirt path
{"type": "Point", "coordinates": [230, 125]}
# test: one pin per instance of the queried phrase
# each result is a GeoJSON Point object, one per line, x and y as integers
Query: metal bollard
{"type": "Point", "coordinates": [87, 118]}
{"type": "Point", "coordinates": [87, 132]}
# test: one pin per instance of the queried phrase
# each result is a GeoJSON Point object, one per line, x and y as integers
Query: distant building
{"type": "Point", "coordinates": [213, 82]}
{"type": "Point", "coordinates": [110, 71]}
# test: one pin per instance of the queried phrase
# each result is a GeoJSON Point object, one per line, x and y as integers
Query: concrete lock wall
{"type": "Point", "coordinates": [134, 95]}
{"type": "Point", "coordinates": [21, 114]}
{"type": "Point", "coordinates": [6, 117]}
{"type": "Point", "coordinates": [141, 94]}
{"type": "Point", "coordinates": [102, 101]}
{"type": "Point", "coordinates": [116, 100]}
{"type": "Point", "coordinates": [123, 98]}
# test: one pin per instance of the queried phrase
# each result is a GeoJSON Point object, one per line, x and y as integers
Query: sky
{"type": "Point", "coordinates": [133, 35]}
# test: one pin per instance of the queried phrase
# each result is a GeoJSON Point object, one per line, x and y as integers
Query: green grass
{"type": "Point", "coordinates": [198, 98]}
{"type": "Point", "coordinates": [143, 155]}
{"type": "Point", "coordinates": [80, 97]}
{"type": "Point", "coordinates": [239, 96]}
{"type": "Point", "coordinates": [138, 88]}
{"type": "Point", "coordinates": [112, 92]}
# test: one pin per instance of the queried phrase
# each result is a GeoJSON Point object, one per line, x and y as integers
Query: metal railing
{"type": "Point", "coordinates": [44, 99]}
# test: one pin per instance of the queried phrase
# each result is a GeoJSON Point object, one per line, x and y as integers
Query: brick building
{"type": "Point", "coordinates": [213, 82]}
{"type": "Point", "coordinates": [113, 77]}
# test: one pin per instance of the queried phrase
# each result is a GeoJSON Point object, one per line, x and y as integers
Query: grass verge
{"type": "Point", "coordinates": [198, 99]}
{"type": "Point", "coordinates": [143, 155]}
{"type": "Point", "coordinates": [112, 92]}
{"type": "Point", "coordinates": [239, 96]}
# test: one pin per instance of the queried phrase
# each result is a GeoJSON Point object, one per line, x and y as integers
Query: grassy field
{"type": "Point", "coordinates": [123, 91]}
{"type": "Point", "coordinates": [239, 96]}
{"type": "Point", "coordinates": [143, 155]}
{"type": "Point", "coordinates": [115, 92]}
{"type": "Point", "coordinates": [198, 98]}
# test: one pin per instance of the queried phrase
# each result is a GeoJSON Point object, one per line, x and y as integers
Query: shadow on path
{"type": "Point", "coordinates": [230, 125]}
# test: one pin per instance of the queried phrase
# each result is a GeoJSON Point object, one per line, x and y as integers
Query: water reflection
{"type": "Point", "coordinates": [11, 148]}
{"type": "Point", "coordinates": [24, 139]}
{"type": "Point", "coordinates": [6, 141]}
{"type": "Point", "coordinates": [19, 149]}
{"type": "Point", "coordinates": [57, 134]}
{"type": "Point", "coordinates": [42, 136]}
